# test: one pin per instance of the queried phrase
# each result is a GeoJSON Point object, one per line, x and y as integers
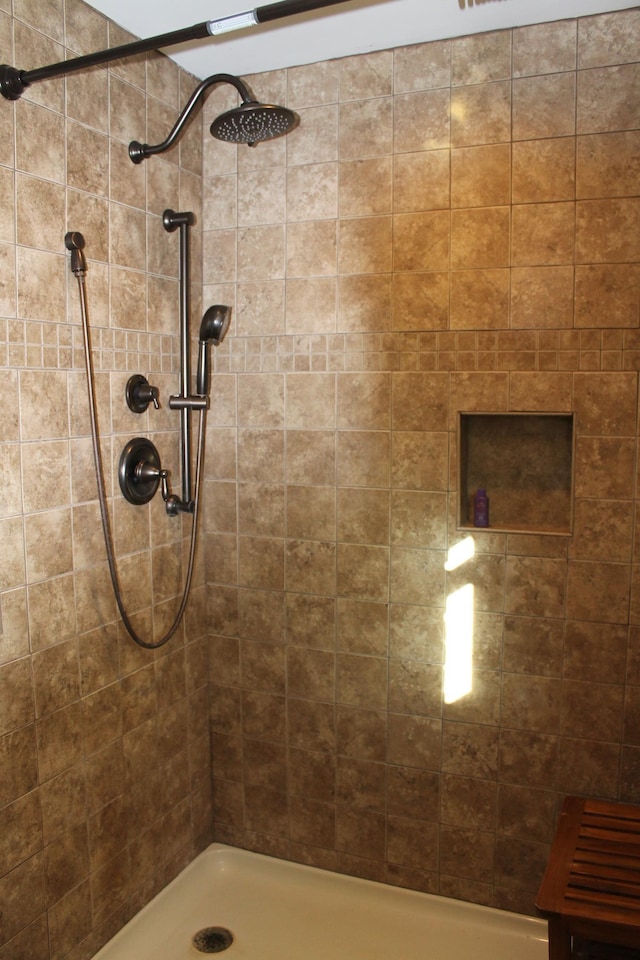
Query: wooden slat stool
{"type": "Point", "coordinates": [591, 887]}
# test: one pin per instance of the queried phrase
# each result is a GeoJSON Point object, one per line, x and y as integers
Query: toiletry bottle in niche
{"type": "Point", "coordinates": [481, 508]}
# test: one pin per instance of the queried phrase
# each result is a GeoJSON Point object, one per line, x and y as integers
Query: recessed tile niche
{"type": "Point", "coordinates": [525, 463]}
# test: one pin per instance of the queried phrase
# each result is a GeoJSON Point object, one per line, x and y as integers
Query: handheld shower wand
{"type": "Point", "coordinates": [213, 328]}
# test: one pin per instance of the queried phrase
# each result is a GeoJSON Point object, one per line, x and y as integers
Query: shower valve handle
{"type": "Point", "coordinates": [150, 394]}
{"type": "Point", "coordinates": [139, 394]}
{"type": "Point", "coordinates": [146, 472]}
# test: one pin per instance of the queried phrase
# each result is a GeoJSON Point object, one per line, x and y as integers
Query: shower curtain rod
{"type": "Point", "coordinates": [14, 82]}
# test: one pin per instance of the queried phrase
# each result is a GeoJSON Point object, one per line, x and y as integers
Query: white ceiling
{"type": "Point", "coordinates": [357, 26]}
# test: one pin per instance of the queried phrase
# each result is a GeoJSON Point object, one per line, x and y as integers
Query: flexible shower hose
{"type": "Point", "coordinates": [75, 242]}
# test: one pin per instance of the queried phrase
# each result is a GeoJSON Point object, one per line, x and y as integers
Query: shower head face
{"type": "Point", "coordinates": [213, 328]}
{"type": "Point", "coordinates": [215, 324]}
{"type": "Point", "coordinates": [253, 122]}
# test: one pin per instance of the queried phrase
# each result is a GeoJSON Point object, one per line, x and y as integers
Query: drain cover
{"type": "Point", "coordinates": [212, 939]}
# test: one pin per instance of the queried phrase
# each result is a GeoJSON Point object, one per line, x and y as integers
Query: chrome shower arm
{"type": "Point", "coordinates": [13, 82]}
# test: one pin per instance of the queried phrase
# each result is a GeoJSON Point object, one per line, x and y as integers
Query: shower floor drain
{"type": "Point", "coordinates": [212, 939]}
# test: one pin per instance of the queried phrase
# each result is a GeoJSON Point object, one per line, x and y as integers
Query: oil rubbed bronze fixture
{"type": "Point", "coordinates": [13, 82]}
{"type": "Point", "coordinates": [140, 471]}
{"type": "Point", "coordinates": [250, 123]}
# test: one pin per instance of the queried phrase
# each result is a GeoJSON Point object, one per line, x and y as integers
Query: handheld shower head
{"type": "Point", "coordinates": [213, 328]}
{"type": "Point", "coordinates": [253, 123]}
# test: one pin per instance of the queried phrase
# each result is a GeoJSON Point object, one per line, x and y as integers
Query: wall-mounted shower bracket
{"type": "Point", "coordinates": [172, 220]}
{"type": "Point", "coordinates": [139, 394]}
{"type": "Point", "coordinates": [140, 474]}
{"type": "Point", "coordinates": [177, 402]}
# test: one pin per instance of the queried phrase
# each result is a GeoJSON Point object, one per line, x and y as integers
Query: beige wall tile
{"type": "Point", "coordinates": [364, 245]}
{"type": "Point", "coordinates": [311, 621]}
{"type": "Point", "coordinates": [316, 140]}
{"type": "Point", "coordinates": [602, 531]}
{"type": "Point", "coordinates": [597, 590]}
{"type": "Point", "coordinates": [365, 129]}
{"type": "Point", "coordinates": [541, 391]}
{"type": "Point", "coordinates": [542, 297]}
{"type": "Point", "coordinates": [312, 83]}
{"type": "Point", "coordinates": [365, 303]}
{"type": "Point", "coordinates": [480, 58]}
{"type": "Point", "coordinates": [544, 48]}
{"type": "Point", "coordinates": [544, 106]}
{"type": "Point", "coordinates": [543, 233]}
{"type": "Point", "coordinates": [421, 121]}
{"type": "Point", "coordinates": [363, 401]}
{"type": "Point", "coordinates": [32, 49]}
{"type": "Point", "coordinates": [420, 301]}
{"type": "Point", "coordinates": [7, 199]}
{"type": "Point", "coordinates": [420, 401]}
{"type": "Point", "coordinates": [479, 299]}
{"type": "Point", "coordinates": [365, 187]}
{"type": "Point", "coordinates": [261, 197]}
{"type": "Point", "coordinates": [422, 66]}
{"type": "Point", "coordinates": [605, 164]}
{"type": "Point", "coordinates": [311, 512]}
{"type": "Point", "coordinates": [310, 456]}
{"type": "Point", "coordinates": [480, 238]}
{"type": "Point", "coordinates": [261, 254]}
{"type": "Point", "coordinates": [535, 587]}
{"type": "Point", "coordinates": [311, 567]}
{"type": "Point", "coordinates": [481, 176]}
{"type": "Point", "coordinates": [603, 230]}
{"type": "Point", "coordinates": [366, 75]}
{"type": "Point", "coordinates": [260, 309]}
{"type": "Point", "coordinates": [312, 191]}
{"type": "Point", "coordinates": [361, 681]}
{"type": "Point", "coordinates": [363, 515]}
{"type": "Point", "coordinates": [603, 102]}
{"type": "Point", "coordinates": [40, 284]}
{"type": "Point", "coordinates": [543, 170]}
{"type": "Point", "coordinates": [605, 404]}
{"type": "Point", "coordinates": [421, 241]}
{"type": "Point", "coordinates": [363, 458]}
{"type": "Point", "coordinates": [352, 615]}
{"type": "Point", "coordinates": [87, 100]}
{"type": "Point", "coordinates": [595, 652]}
{"type": "Point", "coordinates": [421, 181]}
{"type": "Point", "coordinates": [305, 396]}
{"type": "Point", "coordinates": [605, 39]}
{"type": "Point", "coordinates": [480, 114]}
{"type": "Point", "coordinates": [311, 306]}
{"type": "Point", "coordinates": [607, 295]}
{"type": "Point", "coordinates": [312, 248]}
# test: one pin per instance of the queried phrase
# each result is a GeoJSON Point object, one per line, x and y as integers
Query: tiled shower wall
{"type": "Point", "coordinates": [454, 226]}
{"type": "Point", "coordinates": [104, 747]}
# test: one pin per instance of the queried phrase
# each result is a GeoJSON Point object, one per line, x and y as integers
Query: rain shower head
{"type": "Point", "coordinates": [253, 123]}
{"type": "Point", "coordinates": [250, 123]}
{"type": "Point", "coordinates": [213, 328]}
